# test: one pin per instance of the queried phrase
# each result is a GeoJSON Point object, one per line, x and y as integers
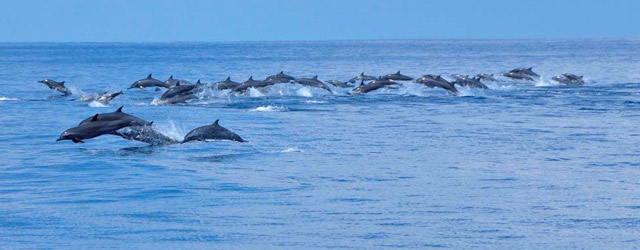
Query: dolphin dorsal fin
{"type": "Point", "coordinates": [171, 77]}
{"type": "Point", "coordinates": [397, 73]}
{"type": "Point", "coordinates": [62, 83]}
{"type": "Point", "coordinates": [282, 72]}
{"type": "Point", "coordinates": [530, 68]}
{"type": "Point", "coordinates": [198, 82]}
{"type": "Point", "coordinates": [149, 77]}
{"type": "Point", "coordinates": [119, 109]}
{"type": "Point", "coordinates": [315, 77]}
{"type": "Point", "coordinates": [94, 118]}
{"type": "Point", "coordinates": [178, 83]}
{"type": "Point", "coordinates": [250, 78]}
{"type": "Point", "coordinates": [362, 74]}
{"type": "Point", "coordinates": [228, 79]}
{"type": "Point", "coordinates": [216, 123]}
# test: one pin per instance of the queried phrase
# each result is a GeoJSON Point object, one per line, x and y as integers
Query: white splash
{"type": "Point", "coordinates": [271, 108]}
{"type": "Point", "coordinates": [304, 92]}
{"type": "Point", "coordinates": [97, 104]}
{"type": "Point", "coordinates": [171, 130]}
{"type": "Point", "coordinates": [291, 150]}
{"type": "Point", "coordinates": [255, 93]}
{"type": "Point", "coordinates": [2, 98]}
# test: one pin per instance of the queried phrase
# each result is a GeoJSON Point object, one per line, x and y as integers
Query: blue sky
{"type": "Point", "coordinates": [253, 20]}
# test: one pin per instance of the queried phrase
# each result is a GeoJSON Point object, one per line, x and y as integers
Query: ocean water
{"type": "Point", "coordinates": [521, 165]}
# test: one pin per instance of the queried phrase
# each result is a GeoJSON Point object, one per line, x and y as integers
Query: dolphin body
{"type": "Point", "coordinates": [172, 82]}
{"type": "Point", "coordinates": [339, 84]}
{"type": "Point", "coordinates": [59, 86]}
{"type": "Point", "coordinates": [569, 79]}
{"type": "Point", "coordinates": [106, 98]}
{"type": "Point", "coordinates": [148, 82]}
{"type": "Point", "coordinates": [362, 76]}
{"type": "Point", "coordinates": [458, 76]}
{"type": "Point", "coordinates": [313, 82]}
{"type": "Point", "coordinates": [212, 132]}
{"type": "Point", "coordinates": [397, 77]}
{"type": "Point", "coordinates": [522, 74]}
{"type": "Point", "coordinates": [118, 115]}
{"type": "Point", "coordinates": [280, 78]}
{"type": "Point", "coordinates": [147, 134]}
{"type": "Point", "coordinates": [250, 83]}
{"type": "Point", "coordinates": [227, 84]}
{"type": "Point", "coordinates": [176, 90]}
{"type": "Point", "coordinates": [518, 76]}
{"type": "Point", "coordinates": [470, 82]}
{"type": "Point", "coordinates": [486, 77]}
{"type": "Point", "coordinates": [371, 86]}
{"type": "Point", "coordinates": [91, 129]}
{"type": "Point", "coordinates": [436, 81]}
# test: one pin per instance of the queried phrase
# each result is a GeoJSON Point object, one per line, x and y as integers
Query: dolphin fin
{"type": "Point", "coordinates": [228, 79]}
{"type": "Point", "coordinates": [171, 77]}
{"type": "Point", "coordinates": [178, 83]}
{"type": "Point", "coordinates": [530, 68]}
{"type": "Point", "coordinates": [397, 73]}
{"type": "Point", "coordinates": [315, 77]}
{"type": "Point", "coordinates": [282, 72]}
{"type": "Point", "coordinates": [76, 140]}
{"type": "Point", "coordinates": [580, 77]}
{"type": "Point", "coordinates": [362, 74]}
{"type": "Point", "coordinates": [62, 83]}
{"type": "Point", "coordinates": [119, 109]}
{"type": "Point", "coordinates": [198, 82]}
{"type": "Point", "coordinates": [94, 118]}
{"type": "Point", "coordinates": [250, 78]}
{"type": "Point", "coordinates": [149, 77]}
{"type": "Point", "coordinates": [216, 123]}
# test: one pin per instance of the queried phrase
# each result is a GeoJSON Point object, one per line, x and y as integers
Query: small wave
{"type": "Point", "coordinates": [271, 108]}
{"type": "Point", "coordinates": [97, 104]}
{"type": "Point", "coordinates": [255, 93]}
{"type": "Point", "coordinates": [2, 98]}
{"type": "Point", "coordinates": [157, 102]}
{"type": "Point", "coordinates": [291, 150]}
{"type": "Point", "coordinates": [314, 102]}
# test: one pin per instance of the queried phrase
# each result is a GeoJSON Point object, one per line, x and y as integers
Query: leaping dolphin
{"type": "Point", "coordinates": [93, 128]}
{"type": "Point", "coordinates": [339, 84]}
{"type": "Point", "coordinates": [433, 81]}
{"type": "Point", "coordinates": [280, 78]}
{"type": "Point", "coordinates": [212, 132]}
{"type": "Point", "coordinates": [397, 77]}
{"type": "Point", "coordinates": [313, 82]}
{"type": "Point", "coordinates": [106, 98]}
{"type": "Point", "coordinates": [569, 79]}
{"type": "Point", "coordinates": [486, 77]}
{"type": "Point", "coordinates": [227, 84]}
{"type": "Point", "coordinates": [148, 82]}
{"type": "Point", "coordinates": [470, 82]}
{"type": "Point", "coordinates": [250, 83]}
{"type": "Point", "coordinates": [362, 76]}
{"type": "Point", "coordinates": [59, 86]}
{"type": "Point", "coordinates": [118, 115]}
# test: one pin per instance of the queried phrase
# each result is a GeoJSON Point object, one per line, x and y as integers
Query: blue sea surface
{"type": "Point", "coordinates": [522, 165]}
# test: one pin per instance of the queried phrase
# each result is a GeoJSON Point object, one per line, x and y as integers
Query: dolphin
{"type": "Point", "coordinates": [339, 84]}
{"type": "Point", "coordinates": [470, 82]}
{"type": "Point", "coordinates": [147, 134]}
{"type": "Point", "coordinates": [227, 84]}
{"type": "Point", "coordinates": [172, 82]}
{"type": "Point", "coordinates": [148, 82]}
{"type": "Point", "coordinates": [59, 86]}
{"type": "Point", "coordinates": [106, 98]}
{"type": "Point", "coordinates": [366, 88]}
{"type": "Point", "coordinates": [183, 98]}
{"type": "Point", "coordinates": [250, 83]}
{"type": "Point", "coordinates": [526, 71]}
{"type": "Point", "coordinates": [176, 90]}
{"type": "Point", "coordinates": [118, 115]}
{"type": "Point", "coordinates": [362, 76]}
{"type": "Point", "coordinates": [92, 129]}
{"type": "Point", "coordinates": [486, 77]}
{"type": "Point", "coordinates": [569, 79]}
{"type": "Point", "coordinates": [313, 82]}
{"type": "Point", "coordinates": [433, 81]}
{"type": "Point", "coordinates": [280, 78]}
{"type": "Point", "coordinates": [518, 76]}
{"type": "Point", "coordinates": [212, 132]}
{"type": "Point", "coordinates": [397, 77]}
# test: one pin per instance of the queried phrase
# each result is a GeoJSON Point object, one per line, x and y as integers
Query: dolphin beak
{"type": "Point", "coordinates": [59, 139]}
{"type": "Point", "coordinates": [41, 81]}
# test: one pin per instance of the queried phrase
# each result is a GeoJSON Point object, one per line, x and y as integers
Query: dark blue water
{"type": "Point", "coordinates": [521, 165]}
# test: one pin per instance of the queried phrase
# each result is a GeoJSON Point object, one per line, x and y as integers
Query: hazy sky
{"type": "Point", "coordinates": [251, 20]}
